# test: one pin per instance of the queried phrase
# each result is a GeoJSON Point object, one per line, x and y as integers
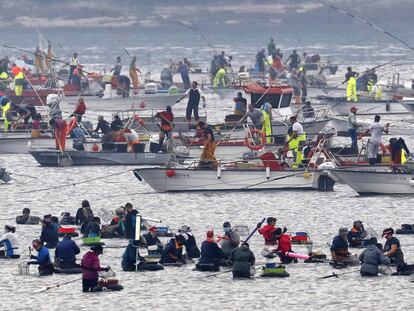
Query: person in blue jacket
{"type": "Point", "coordinates": [49, 233]}
{"type": "Point", "coordinates": [65, 253]}
{"type": "Point", "coordinates": [173, 251]}
{"type": "Point", "coordinates": [42, 259]}
{"type": "Point", "coordinates": [131, 257]}
{"type": "Point", "coordinates": [211, 254]}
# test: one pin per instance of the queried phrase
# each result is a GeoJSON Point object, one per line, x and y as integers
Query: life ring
{"type": "Point", "coordinates": [252, 146]}
{"type": "Point", "coordinates": [71, 126]}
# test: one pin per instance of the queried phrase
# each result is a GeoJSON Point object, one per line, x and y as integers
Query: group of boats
{"type": "Point", "coordinates": [240, 167]}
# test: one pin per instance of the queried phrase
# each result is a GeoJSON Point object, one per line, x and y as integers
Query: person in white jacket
{"type": "Point", "coordinates": [9, 242]}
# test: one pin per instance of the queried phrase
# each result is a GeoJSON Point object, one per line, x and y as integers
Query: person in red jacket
{"type": "Point", "coordinates": [79, 110]}
{"type": "Point", "coordinates": [268, 231]}
{"type": "Point", "coordinates": [90, 268]}
{"type": "Point", "coordinates": [284, 245]}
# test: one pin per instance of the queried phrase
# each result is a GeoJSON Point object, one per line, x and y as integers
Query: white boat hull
{"type": "Point", "coordinates": [367, 182]}
{"type": "Point", "coordinates": [21, 145]}
{"type": "Point", "coordinates": [227, 179]}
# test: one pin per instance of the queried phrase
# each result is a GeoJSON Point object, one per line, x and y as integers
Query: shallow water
{"type": "Point", "coordinates": [318, 213]}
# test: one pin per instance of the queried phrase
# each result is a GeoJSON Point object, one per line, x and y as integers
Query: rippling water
{"type": "Point", "coordinates": [321, 214]}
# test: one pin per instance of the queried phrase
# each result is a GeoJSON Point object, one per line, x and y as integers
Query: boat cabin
{"type": "Point", "coordinates": [278, 95]}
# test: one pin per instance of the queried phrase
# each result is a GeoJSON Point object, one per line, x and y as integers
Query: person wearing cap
{"type": "Point", "coordinates": [131, 258]}
{"type": "Point", "coordinates": [392, 247]}
{"type": "Point", "coordinates": [9, 242]}
{"type": "Point", "coordinates": [211, 254]}
{"type": "Point", "coordinates": [357, 234]}
{"type": "Point", "coordinates": [49, 233]}
{"type": "Point", "coordinates": [190, 243]}
{"type": "Point", "coordinates": [284, 245]}
{"type": "Point", "coordinates": [65, 253]}
{"type": "Point", "coordinates": [26, 219]}
{"type": "Point", "coordinates": [242, 258]}
{"type": "Point", "coordinates": [371, 258]}
{"type": "Point", "coordinates": [375, 129]}
{"type": "Point", "coordinates": [353, 126]}
{"type": "Point", "coordinates": [151, 237]}
{"type": "Point", "coordinates": [90, 267]}
{"type": "Point", "coordinates": [84, 213]}
{"type": "Point", "coordinates": [230, 240]}
{"type": "Point", "coordinates": [173, 251]}
{"type": "Point", "coordinates": [240, 107]}
{"type": "Point", "coordinates": [42, 259]}
{"type": "Point", "coordinates": [339, 247]}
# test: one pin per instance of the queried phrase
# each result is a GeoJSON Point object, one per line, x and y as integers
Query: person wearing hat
{"type": "Point", "coordinates": [230, 240]}
{"type": "Point", "coordinates": [65, 253]}
{"type": "Point", "coordinates": [173, 251]}
{"type": "Point", "coordinates": [392, 247]}
{"type": "Point", "coordinates": [371, 258]}
{"type": "Point", "coordinates": [49, 233]}
{"type": "Point", "coordinates": [339, 247]}
{"type": "Point", "coordinates": [42, 259]}
{"type": "Point", "coordinates": [131, 258]}
{"type": "Point", "coordinates": [90, 267]}
{"type": "Point", "coordinates": [9, 242]}
{"type": "Point", "coordinates": [357, 234]}
{"type": "Point", "coordinates": [353, 126]}
{"type": "Point", "coordinates": [284, 245]}
{"type": "Point", "coordinates": [242, 258]}
{"type": "Point", "coordinates": [151, 237]}
{"type": "Point", "coordinates": [190, 243]}
{"type": "Point", "coordinates": [26, 219]}
{"type": "Point", "coordinates": [240, 107]}
{"type": "Point", "coordinates": [211, 254]}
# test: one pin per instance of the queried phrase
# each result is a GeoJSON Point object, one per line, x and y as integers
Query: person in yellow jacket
{"type": "Point", "coordinates": [296, 140]}
{"type": "Point", "coordinates": [266, 110]}
{"type": "Point", "coordinates": [18, 80]}
{"type": "Point", "coordinates": [6, 109]}
{"type": "Point", "coordinates": [377, 92]}
{"type": "Point", "coordinates": [219, 77]}
{"type": "Point", "coordinates": [133, 73]}
{"type": "Point", "coordinates": [4, 80]}
{"type": "Point", "coordinates": [350, 77]}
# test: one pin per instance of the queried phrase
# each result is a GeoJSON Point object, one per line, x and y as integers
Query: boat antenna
{"type": "Point", "coordinates": [364, 21]}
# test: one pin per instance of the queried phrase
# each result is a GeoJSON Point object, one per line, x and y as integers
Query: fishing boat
{"type": "Point", "coordinates": [236, 176]}
{"type": "Point", "coordinates": [19, 143]}
{"type": "Point", "coordinates": [72, 157]}
{"type": "Point", "coordinates": [369, 181]}
{"type": "Point", "coordinates": [341, 106]}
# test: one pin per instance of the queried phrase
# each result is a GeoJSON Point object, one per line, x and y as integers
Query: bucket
{"type": "Point", "coordinates": [138, 148]}
{"type": "Point", "coordinates": [121, 147]}
{"type": "Point", "coordinates": [154, 147]}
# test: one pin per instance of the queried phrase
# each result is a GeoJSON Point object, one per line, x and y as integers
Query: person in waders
{"type": "Point", "coordinates": [242, 258]}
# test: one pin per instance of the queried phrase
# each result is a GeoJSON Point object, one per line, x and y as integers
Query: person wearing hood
{"type": "Point", "coordinates": [266, 110]}
{"type": "Point", "coordinates": [357, 234]}
{"type": "Point", "coordinates": [65, 253]}
{"type": "Point", "coordinates": [173, 251]}
{"type": "Point", "coordinates": [90, 267]}
{"type": "Point", "coordinates": [230, 240]}
{"type": "Point", "coordinates": [339, 247]}
{"type": "Point", "coordinates": [211, 254]}
{"type": "Point", "coordinates": [26, 219]}
{"type": "Point", "coordinates": [9, 242]}
{"type": "Point", "coordinates": [49, 234]}
{"type": "Point", "coordinates": [83, 213]}
{"type": "Point", "coordinates": [42, 259]}
{"type": "Point", "coordinates": [6, 113]}
{"type": "Point", "coordinates": [131, 257]}
{"type": "Point", "coordinates": [242, 258]}
{"type": "Point", "coordinates": [371, 258]}
{"type": "Point", "coordinates": [190, 243]}
{"type": "Point", "coordinates": [392, 247]}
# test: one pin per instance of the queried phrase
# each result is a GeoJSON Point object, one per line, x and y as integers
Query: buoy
{"type": "Point", "coordinates": [267, 172]}
{"type": "Point", "coordinates": [218, 172]}
{"type": "Point", "coordinates": [170, 173]}
{"type": "Point", "coordinates": [142, 105]}
{"type": "Point", "coordinates": [95, 148]}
